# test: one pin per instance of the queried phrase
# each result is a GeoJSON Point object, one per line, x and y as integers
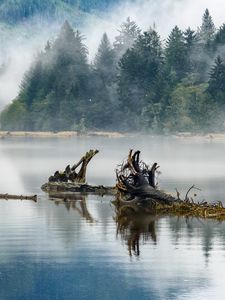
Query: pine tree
{"type": "Point", "coordinates": [128, 33]}
{"type": "Point", "coordinates": [139, 70]}
{"type": "Point", "coordinates": [56, 88]}
{"type": "Point", "coordinates": [216, 86]}
{"type": "Point", "coordinates": [191, 41]}
{"type": "Point", "coordinates": [105, 60]}
{"type": "Point", "coordinates": [219, 39]}
{"type": "Point", "coordinates": [176, 53]}
{"type": "Point", "coordinates": [207, 29]}
{"type": "Point", "coordinates": [103, 97]}
{"type": "Point", "coordinates": [190, 38]}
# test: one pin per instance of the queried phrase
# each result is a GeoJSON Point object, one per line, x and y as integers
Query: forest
{"type": "Point", "coordinates": [138, 82]}
{"type": "Point", "coordinates": [14, 12]}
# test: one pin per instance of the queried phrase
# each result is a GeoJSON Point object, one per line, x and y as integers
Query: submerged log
{"type": "Point", "coordinates": [18, 197]}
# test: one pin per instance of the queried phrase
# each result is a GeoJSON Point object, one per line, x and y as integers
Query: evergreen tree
{"type": "Point", "coordinates": [139, 69]}
{"type": "Point", "coordinates": [207, 29]}
{"type": "Point", "coordinates": [103, 97]}
{"type": "Point", "coordinates": [105, 60]}
{"type": "Point", "coordinates": [55, 91]}
{"type": "Point", "coordinates": [216, 86]}
{"type": "Point", "coordinates": [191, 45]}
{"type": "Point", "coordinates": [190, 38]}
{"type": "Point", "coordinates": [219, 39]}
{"type": "Point", "coordinates": [128, 33]}
{"type": "Point", "coordinates": [176, 53]}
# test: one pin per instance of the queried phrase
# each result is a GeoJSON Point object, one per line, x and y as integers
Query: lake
{"type": "Point", "coordinates": [79, 249]}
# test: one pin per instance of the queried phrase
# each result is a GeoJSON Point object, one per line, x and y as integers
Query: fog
{"type": "Point", "coordinates": [20, 45]}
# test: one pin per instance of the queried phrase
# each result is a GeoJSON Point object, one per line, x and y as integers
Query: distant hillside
{"type": "Point", "coordinates": [13, 12]}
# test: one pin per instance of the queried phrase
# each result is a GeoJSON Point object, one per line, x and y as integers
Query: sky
{"type": "Point", "coordinates": [164, 14]}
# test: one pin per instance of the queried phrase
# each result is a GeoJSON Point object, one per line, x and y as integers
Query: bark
{"type": "Point", "coordinates": [72, 174]}
{"type": "Point", "coordinates": [78, 188]}
{"type": "Point", "coordinates": [137, 179]}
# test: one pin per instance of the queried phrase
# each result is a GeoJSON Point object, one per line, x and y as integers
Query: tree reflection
{"type": "Point", "coordinates": [135, 224]}
{"type": "Point", "coordinates": [76, 202]}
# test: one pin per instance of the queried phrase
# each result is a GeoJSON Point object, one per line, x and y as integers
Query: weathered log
{"type": "Point", "coordinates": [71, 180]}
{"type": "Point", "coordinates": [78, 188]}
{"type": "Point", "coordinates": [136, 187]}
{"type": "Point", "coordinates": [18, 197]}
{"type": "Point", "coordinates": [137, 179]}
{"type": "Point", "coordinates": [71, 174]}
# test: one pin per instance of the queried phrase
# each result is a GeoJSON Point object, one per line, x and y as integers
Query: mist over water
{"type": "Point", "coordinates": [21, 44]}
{"type": "Point", "coordinates": [77, 249]}
{"type": "Point", "coordinates": [30, 161]}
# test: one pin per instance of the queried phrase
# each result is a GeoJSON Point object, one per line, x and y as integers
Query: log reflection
{"type": "Point", "coordinates": [75, 202]}
{"type": "Point", "coordinates": [135, 225]}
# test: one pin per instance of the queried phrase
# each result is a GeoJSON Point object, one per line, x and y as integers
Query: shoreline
{"type": "Point", "coordinates": [196, 137]}
{"type": "Point", "coordinates": [60, 134]}
{"type": "Point", "coordinates": [109, 134]}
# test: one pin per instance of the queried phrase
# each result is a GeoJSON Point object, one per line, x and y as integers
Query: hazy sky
{"type": "Point", "coordinates": [165, 14]}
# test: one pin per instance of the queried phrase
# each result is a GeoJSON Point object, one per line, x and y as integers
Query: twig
{"type": "Point", "coordinates": [192, 187]}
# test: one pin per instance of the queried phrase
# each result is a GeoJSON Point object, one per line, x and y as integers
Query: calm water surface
{"type": "Point", "coordinates": [79, 249]}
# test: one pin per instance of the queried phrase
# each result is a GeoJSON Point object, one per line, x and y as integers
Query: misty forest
{"type": "Point", "coordinates": [137, 82]}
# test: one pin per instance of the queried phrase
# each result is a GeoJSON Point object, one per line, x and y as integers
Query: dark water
{"type": "Point", "coordinates": [79, 249]}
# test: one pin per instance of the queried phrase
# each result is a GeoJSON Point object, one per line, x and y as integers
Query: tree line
{"type": "Point", "coordinates": [13, 12]}
{"type": "Point", "coordinates": [137, 83]}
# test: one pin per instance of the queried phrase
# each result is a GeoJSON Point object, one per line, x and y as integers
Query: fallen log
{"type": "Point", "coordinates": [18, 197]}
{"type": "Point", "coordinates": [50, 187]}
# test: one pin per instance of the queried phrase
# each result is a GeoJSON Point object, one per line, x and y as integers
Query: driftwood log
{"type": "Point", "coordinates": [78, 188]}
{"type": "Point", "coordinates": [70, 174]}
{"type": "Point", "coordinates": [18, 197]}
{"type": "Point", "coordinates": [137, 180]}
{"type": "Point", "coordinates": [136, 186]}
{"type": "Point", "coordinates": [73, 180]}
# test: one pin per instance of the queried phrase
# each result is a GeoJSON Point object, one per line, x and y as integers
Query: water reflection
{"type": "Point", "coordinates": [134, 224]}
{"type": "Point", "coordinates": [137, 227]}
{"type": "Point", "coordinates": [76, 202]}
{"type": "Point", "coordinates": [81, 248]}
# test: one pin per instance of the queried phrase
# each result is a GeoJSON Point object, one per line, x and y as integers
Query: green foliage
{"type": "Point", "coordinates": [128, 33]}
{"type": "Point", "coordinates": [207, 29]}
{"type": "Point", "coordinates": [176, 54]}
{"type": "Point", "coordinates": [105, 61]}
{"type": "Point", "coordinates": [12, 11]}
{"type": "Point", "coordinates": [217, 82]}
{"type": "Point", "coordinates": [14, 117]}
{"type": "Point", "coordinates": [136, 83]}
